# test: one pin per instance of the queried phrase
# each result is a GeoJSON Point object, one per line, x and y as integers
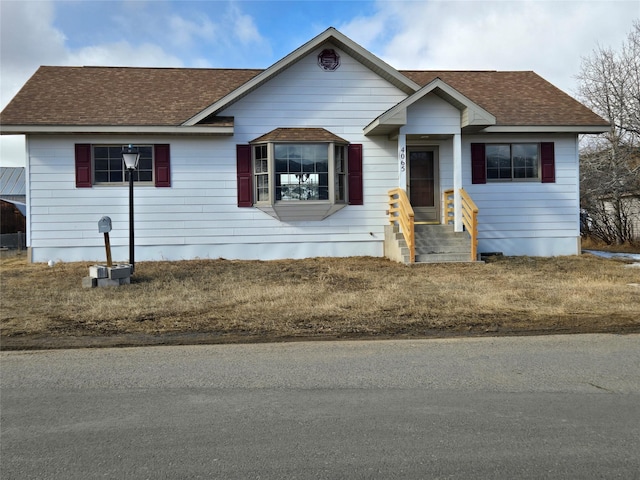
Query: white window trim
{"type": "Point", "coordinates": [537, 179]}
{"type": "Point", "coordinates": [299, 210]}
{"type": "Point", "coordinates": [124, 181]}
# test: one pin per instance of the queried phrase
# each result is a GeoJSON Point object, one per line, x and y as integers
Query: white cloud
{"type": "Point", "coordinates": [123, 54]}
{"type": "Point", "coordinates": [243, 26]}
{"type": "Point", "coordinates": [185, 32]}
{"type": "Point", "coordinates": [29, 39]}
{"type": "Point", "coordinates": [547, 37]}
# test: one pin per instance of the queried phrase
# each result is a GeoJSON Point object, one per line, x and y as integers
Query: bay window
{"type": "Point", "coordinates": [299, 174]}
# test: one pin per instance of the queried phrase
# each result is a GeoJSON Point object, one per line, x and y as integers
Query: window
{"type": "Point", "coordinates": [103, 165]}
{"type": "Point", "coordinates": [108, 166]}
{"type": "Point", "coordinates": [299, 172]}
{"type": "Point", "coordinates": [517, 161]}
{"type": "Point", "coordinates": [262, 173]}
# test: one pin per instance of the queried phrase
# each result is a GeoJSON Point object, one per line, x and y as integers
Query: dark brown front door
{"type": "Point", "coordinates": [422, 185]}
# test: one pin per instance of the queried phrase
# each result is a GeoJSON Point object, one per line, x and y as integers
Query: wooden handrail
{"type": "Point", "coordinates": [449, 207]}
{"type": "Point", "coordinates": [401, 213]}
{"type": "Point", "coordinates": [470, 220]}
{"type": "Point", "coordinates": [469, 216]}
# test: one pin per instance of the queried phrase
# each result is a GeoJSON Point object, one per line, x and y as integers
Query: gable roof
{"type": "Point", "coordinates": [186, 100]}
{"type": "Point", "coordinates": [472, 114]}
{"type": "Point", "coordinates": [331, 35]}
{"type": "Point", "coordinates": [515, 98]}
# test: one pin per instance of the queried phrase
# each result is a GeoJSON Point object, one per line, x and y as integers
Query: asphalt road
{"type": "Point", "coordinates": [501, 408]}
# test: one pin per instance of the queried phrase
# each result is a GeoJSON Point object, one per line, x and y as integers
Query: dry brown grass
{"type": "Point", "coordinates": [328, 297]}
{"type": "Point", "coordinates": [591, 243]}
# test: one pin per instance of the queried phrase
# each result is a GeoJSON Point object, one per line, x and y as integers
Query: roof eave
{"type": "Point", "coordinates": [115, 129]}
{"type": "Point", "coordinates": [586, 129]}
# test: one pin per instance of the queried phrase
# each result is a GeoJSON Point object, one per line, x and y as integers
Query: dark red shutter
{"type": "Point", "coordinates": [245, 175]}
{"type": "Point", "coordinates": [478, 163]}
{"type": "Point", "coordinates": [356, 195]}
{"type": "Point", "coordinates": [548, 162]}
{"type": "Point", "coordinates": [162, 165]}
{"type": "Point", "coordinates": [83, 165]}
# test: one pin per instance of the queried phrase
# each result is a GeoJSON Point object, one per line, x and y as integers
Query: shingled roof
{"type": "Point", "coordinates": [118, 96]}
{"type": "Point", "coordinates": [124, 96]}
{"type": "Point", "coordinates": [299, 135]}
{"type": "Point", "coordinates": [515, 98]}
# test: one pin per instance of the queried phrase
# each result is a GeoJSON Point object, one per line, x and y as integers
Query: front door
{"type": "Point", "coordinates": [422, 180]}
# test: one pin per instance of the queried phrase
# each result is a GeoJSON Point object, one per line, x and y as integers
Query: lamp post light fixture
{"type": "Point", "coordinates": [130, 156]}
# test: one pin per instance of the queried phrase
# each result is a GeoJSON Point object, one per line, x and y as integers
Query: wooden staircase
{"type": "Point", "coordinates": [436, 244]}
{"type": "Point", "coordinates": [408, 242]}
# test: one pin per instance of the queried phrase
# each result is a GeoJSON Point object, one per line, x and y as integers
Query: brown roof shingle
{"type": "Point", "coordinates": [119, 96]}
{"type": "Point", "coordinates": [514, 98]}
{"type": "Point", "coordinates": [299, 135]}
{"type": "Point", "coordinates": [125, 96]}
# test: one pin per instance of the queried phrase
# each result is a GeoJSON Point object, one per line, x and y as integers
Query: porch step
{"type": "Point", "coordinates": [442, 257]}
{"type": "Point", "coordinates": [437, 244]}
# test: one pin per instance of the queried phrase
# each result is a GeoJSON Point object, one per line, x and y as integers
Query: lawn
{"type": "Point", "coordinates": [218, 301]}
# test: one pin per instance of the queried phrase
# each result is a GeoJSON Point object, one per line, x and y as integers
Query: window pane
{"type": "Point", "coordinates": [116, 176]}
{"type": "Point", "coordinates": [145, 164]}
{"type": "Point", "coordinates": [340, 188]}
{"type": "Point", "coordinates": [262, 188]}
{"type": "Point", "coordinates": [301, 172]}
{"type": "Point", "coordinates": [525, 160]}
{"type": "Point", "coordinates": [101, 165]}
{"type": "Point", "coordinates": [339, 159]}
{"type": "Point", "coordinates": [145, 176]}
{"type": "Point", "coordinates": [308, 164]}
{"type": "Point", "coordinates": [498, 161]}
{"type": "Point", "coordinates": [115, 164]}
{"type": "Point", "coordinates": [261, 162]}
{"type": "Point", "coordinates": [281, 158]}
{"type": "Point", "coordinates": [100, 152]}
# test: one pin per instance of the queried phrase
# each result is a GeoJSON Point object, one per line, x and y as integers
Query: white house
{"type": "Point", "coordinates": [297, 160]}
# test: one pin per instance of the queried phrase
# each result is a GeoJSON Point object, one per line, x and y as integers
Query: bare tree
{"type": "Point", "coordinates": [610, 163]}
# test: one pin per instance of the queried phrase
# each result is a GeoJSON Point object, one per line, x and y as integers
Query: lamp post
{"type": "Point", "coordinates": [130, 156]}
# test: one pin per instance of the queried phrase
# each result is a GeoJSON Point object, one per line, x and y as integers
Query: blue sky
{"type": "Point", "coordinates": [549, 37]}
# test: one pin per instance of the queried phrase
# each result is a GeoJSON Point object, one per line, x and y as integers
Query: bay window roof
{"type": "Point", "coordinates": [299, 135]}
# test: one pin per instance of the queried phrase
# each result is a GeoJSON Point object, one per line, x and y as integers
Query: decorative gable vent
{"type": "Point", "coordinates": [329, 60]}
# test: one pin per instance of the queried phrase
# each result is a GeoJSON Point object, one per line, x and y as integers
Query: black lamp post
{"type": "Point", "coordinates": [130, 155]}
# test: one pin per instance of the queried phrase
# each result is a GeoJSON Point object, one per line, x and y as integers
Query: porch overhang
{"type": "Point", "coordinates": [472, 116]}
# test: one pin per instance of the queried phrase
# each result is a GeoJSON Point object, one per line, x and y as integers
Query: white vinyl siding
{"type": "Point", "coordinates": [528, 218]}
{"type": "Point", "coordinates": [198, 216]}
